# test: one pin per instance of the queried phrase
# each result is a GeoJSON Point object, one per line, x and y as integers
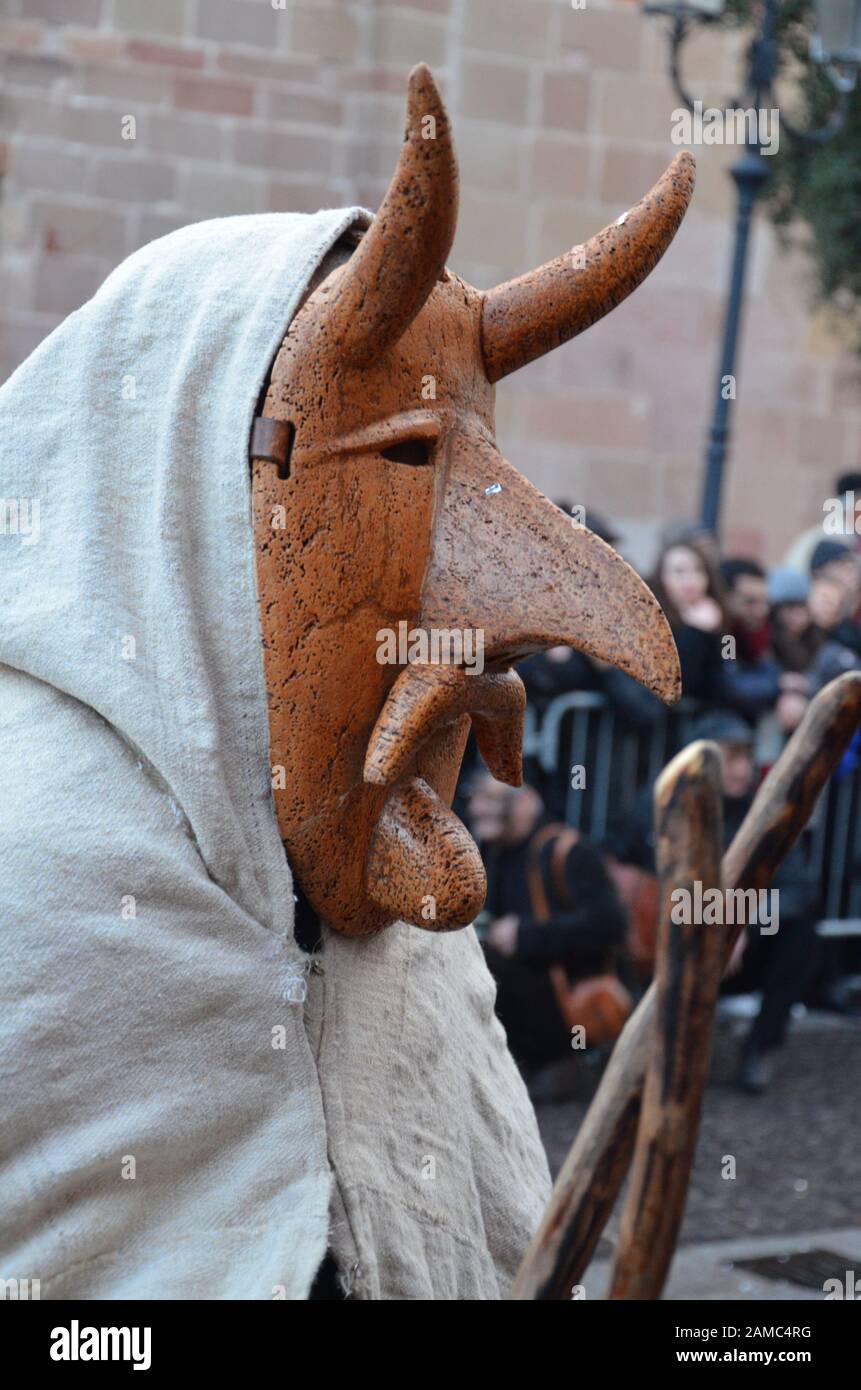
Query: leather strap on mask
{"type": "Point", "coordinates": [271, 440]}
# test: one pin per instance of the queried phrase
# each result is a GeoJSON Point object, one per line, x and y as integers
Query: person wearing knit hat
{"type": "Point", "coordinates": [786, 585]}
{"type": "Point", "coordinates": [803, 618]}
{"type": "Point", "coordinates": [829, 553]}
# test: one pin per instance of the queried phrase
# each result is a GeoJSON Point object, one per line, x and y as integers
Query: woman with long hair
{"type": "Point", "coordinates": [688, 589]}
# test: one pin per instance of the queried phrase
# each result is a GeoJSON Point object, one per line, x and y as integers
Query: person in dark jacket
{"type": "Point", "coordinates": [781, 965]}
{"type": "Point", "coordinates": [521, 946]}
{"type": "Point", "coordinates": [689, 592]}
{"type": "Point", "coordinates": [752, 677]}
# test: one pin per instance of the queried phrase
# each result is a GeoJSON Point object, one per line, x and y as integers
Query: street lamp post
{"type": "Point", "coordinates": [836, 46]}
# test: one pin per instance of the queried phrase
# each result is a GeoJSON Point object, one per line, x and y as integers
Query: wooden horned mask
{"type": "Point", "coordinates": [394, 541]}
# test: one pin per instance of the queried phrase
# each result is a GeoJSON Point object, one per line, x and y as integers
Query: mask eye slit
{"type": "Point", "coordinates": [416, 453]}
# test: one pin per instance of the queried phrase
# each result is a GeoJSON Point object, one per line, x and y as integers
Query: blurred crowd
{"type": "Point", "coordinates": [758, 642]}
{"type": "Point", "coordinates": [569, 925]}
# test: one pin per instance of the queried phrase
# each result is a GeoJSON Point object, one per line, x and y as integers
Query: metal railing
{"type": "Point", "coordinates": [581, 731]}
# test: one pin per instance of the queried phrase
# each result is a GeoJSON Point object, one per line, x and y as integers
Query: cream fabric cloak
{"type": "Point", "coordinates": [186, 1109]}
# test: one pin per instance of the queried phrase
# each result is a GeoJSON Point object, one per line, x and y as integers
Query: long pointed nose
{"type": "Point", "coordinates": [506, 561]}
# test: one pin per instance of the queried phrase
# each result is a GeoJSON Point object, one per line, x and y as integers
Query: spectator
{"type": "Point", "coordinates": [752, 679]}
{"type": "Point", "coordinates": [800, 645]}
{"type": "Point", "coordinates": [689, 593]}
{"type": "Point", "coordinates": [746, 603]}
{"type": "Point", "coordinates": [830, 559]}
{"type": "Point", "coordinates": [533, 925]}
{"type": "Point", "coordinates": [695, 534]}
{"type": "Point", "coordinates": [781, 965]}
{"type": "Point", "coordinates": [847, 488]}
{"type": "Point", "coordinates": [835, 590]}
{"type": "Point", "coordinates": [795, 638]}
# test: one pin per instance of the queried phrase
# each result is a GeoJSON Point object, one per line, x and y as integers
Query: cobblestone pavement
{"type": "Point", "coordinates": [797, 1149]}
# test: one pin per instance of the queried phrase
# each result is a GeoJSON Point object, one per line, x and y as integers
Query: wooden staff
{"type": "Point", "coordinates": [595, 1168]}
{"type": "Point", "coordinates": [689, 965]}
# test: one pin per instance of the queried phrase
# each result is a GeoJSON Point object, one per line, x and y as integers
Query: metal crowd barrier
{"type": "Point", "coordinates": [582, 730]}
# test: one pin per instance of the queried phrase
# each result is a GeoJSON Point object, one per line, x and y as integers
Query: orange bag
{"type": "Point", "coordinates": [638, 893]}
{"type": "Point", "coordinates": [599, 1004]}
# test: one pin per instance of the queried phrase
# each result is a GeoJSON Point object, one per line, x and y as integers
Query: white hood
{"type": "Point", "coordinates": [171, 1101]}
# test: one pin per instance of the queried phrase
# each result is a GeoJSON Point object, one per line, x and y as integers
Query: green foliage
{"type": "Point", "coordinates": [814, 197]}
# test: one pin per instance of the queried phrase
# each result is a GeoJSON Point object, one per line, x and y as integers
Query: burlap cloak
{"type": "Point", "coordinates": [187, 1112]}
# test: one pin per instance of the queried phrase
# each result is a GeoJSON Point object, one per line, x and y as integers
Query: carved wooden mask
{"type": "Point", "coordinates": [397, 507]}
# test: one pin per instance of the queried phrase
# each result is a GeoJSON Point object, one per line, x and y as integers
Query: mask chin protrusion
{"type": "Point", "coordinates": [423, 865]}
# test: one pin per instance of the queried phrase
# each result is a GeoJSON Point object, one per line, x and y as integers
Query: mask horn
{"type": "Point", "coordinates": [404, 250]}
{"type": "Point", "coordinates": [525, 318]}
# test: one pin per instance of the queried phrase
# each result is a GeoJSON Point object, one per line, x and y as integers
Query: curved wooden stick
{"type": "Point", "coordinates": [690, 959]}
{"type": "Point", "coordinates": [589, 1182]}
